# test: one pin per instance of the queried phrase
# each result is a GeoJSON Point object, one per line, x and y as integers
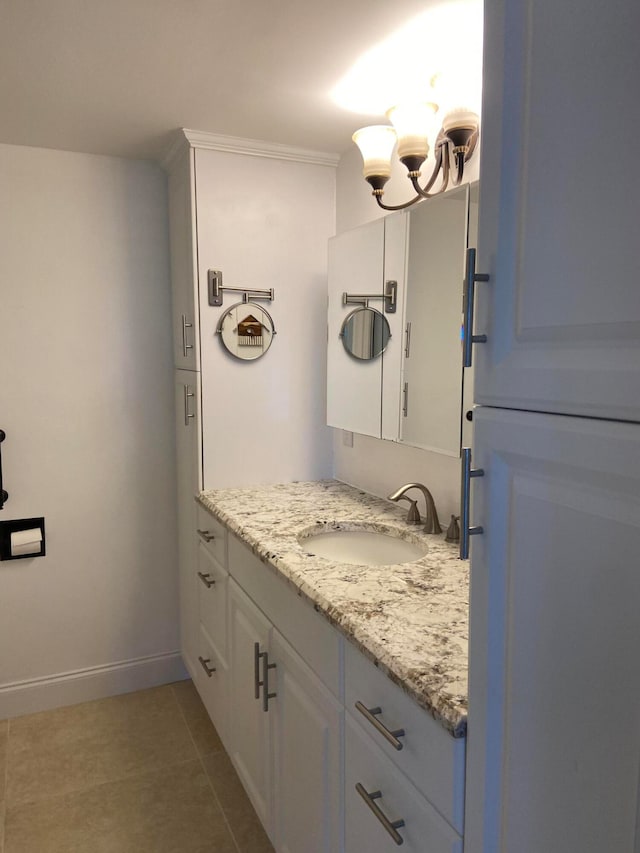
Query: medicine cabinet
{"type": "Point", "coordinates": [408, 269]}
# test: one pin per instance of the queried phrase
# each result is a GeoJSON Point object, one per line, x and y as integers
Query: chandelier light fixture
{"type": "Point", "coordinates": [410, 125]}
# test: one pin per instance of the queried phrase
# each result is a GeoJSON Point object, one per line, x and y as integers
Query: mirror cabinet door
{"type": "Point", "coordinates": [467, 374]}
{"type": "Point", "coordinates": [413, 391]}
{"type": "Point", "coordinates": [355, 374]}
{"type": "Point", "coordinates": [432, 368]}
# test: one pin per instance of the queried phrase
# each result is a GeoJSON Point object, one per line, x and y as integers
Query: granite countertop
{"type": "Point", "coordinates": [410, 619]}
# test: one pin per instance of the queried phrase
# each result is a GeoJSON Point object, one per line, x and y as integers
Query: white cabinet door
{"type": "Point", "coordinates": [363, 396]}
{"type": "Point", "coordinates": [249, 738]}
{"type": "Point", "coordinates": [307, 734]}
{"type": "Point", "coordinates": [354, 387]}
{"type": "Point", "coordinates": [559, 209]}
{"type": "Point", "coordinates": [183, 269]}
{"type": "Point", "coordinates": [554, 705]}
{"type": "Point", "coordinates": [189, 471]}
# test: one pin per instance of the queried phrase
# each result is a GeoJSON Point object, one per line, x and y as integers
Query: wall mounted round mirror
{"type": "Point", "coordinates": [365, 333]}
{"type": "Point", "coordinates": [246, 330]}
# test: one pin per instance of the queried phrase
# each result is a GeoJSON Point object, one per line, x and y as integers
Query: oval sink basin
{"type": "Point", "coordinates": [364, 547]}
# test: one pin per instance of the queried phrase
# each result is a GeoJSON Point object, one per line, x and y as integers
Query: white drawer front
{"type": "Point", "coordinates": [213, 535]}
{"type": "Point", "coordinates": [432, 759]}
{"type": "Point", "coordinates": [212, 582]}
{"type": "Point", "coordinates": [212, 682]}
{"type": "Point", "coordinates": [424, 830]}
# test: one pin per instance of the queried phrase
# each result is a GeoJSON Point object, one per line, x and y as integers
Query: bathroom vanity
{"type": "Point", "coordinates": [328, 681]}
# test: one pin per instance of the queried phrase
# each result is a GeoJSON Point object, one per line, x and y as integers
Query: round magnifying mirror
{"type": "Point", "coordinates": [365, 333]}
{"type": "Point", "coordinates": [246, 330]}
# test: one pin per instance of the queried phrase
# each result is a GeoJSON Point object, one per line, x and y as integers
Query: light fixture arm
{"type": "Point", "coordinates": [457, 139]}
{"type": "Point", "coordinates": [441, 164]}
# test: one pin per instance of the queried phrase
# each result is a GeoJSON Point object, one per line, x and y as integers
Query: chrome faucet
{"type": "Point", "coordinates": [431, 523]}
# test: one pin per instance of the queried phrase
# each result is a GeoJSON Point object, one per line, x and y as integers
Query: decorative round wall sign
{"type": "Point", "coordinates": [246, 330]}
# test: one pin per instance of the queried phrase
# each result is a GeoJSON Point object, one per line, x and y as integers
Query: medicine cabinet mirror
{"type": "Point", "coordinates": [413, 392]}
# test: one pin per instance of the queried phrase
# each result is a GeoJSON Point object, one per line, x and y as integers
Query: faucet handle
{"type": "Point", "coordinates": [413, 516]}
{"type": "Point", "coordinates": [453, 531]}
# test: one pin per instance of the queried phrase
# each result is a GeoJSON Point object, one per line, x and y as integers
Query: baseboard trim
{"type": "Point", "coordinates": [83, 685]}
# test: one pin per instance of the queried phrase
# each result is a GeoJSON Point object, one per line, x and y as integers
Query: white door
{"type": "Point", "coordinates": [250, 633]}
{"type": "Point", "coordinates": [559, 209]}
{"type": "Point", "coordinates": [189, 474]}
{"type": "Point", "coordinates": [554, 704]}
{"type": "Point", "coordinates": [307, 735]}
{"type": "Point", "coordinates": [183, 269]}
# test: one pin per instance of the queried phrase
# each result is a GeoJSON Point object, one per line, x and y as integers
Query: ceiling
{"type": "Point", "coordinates": [120, 76]}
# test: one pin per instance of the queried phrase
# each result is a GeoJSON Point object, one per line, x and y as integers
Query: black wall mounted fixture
{"type": "Point", "coordinates": [16, 526]}
{"type": "Point", "coordinates": [4, 496]}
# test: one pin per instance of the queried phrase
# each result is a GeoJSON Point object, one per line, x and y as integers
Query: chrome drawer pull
{"type": "Point", "coordinates": [466, 530]}
{"type": "Point", "coordinates": [206, 579]}
{"type": "Point", "coordinates": [205, 665]}
{"type": "Point", "coordinates": [206, 535]}
{"type": "Point", "coordinates": [371, 714]}
{"type": "Point", "coordinates": [392, 826]}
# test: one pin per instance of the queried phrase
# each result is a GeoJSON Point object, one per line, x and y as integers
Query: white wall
{"type": "Point", "coordinates": [265, 223]}
{"type": "Point", "coordinates": [86, 400]}
{"type": "Point", "coordinates": [372, 464]}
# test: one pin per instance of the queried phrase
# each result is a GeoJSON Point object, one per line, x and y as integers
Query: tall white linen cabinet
{"type": "Point", "coordinates": [554, 708]}
{"type": "Point", "coordinates": [262, 214]}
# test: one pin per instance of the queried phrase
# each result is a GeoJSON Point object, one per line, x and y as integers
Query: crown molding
{"type": "Point", "coordinates": [186, 139]}
{"type": "Point", "coordinates": [178, 143]}
{"type": "Point", "coordinates": [258, 148]}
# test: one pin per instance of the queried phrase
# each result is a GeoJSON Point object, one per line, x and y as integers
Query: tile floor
{"type": "Point", "coordinates": [139, 773]}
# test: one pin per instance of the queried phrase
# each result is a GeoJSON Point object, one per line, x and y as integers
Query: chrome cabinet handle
{"type": "Point", "coordinates": [392, 826]}
{"type": "Point", "coordinates": [187, 395]}
{"type": "Point", "coordinates": [185, 346]}
{"type": "Point", "coordinates": [205, 665]}
{"type": "Point", "coordinates": [405, 400]}
{"type": "Point", "coordinates": [468, 299]}
{"type": "Point", "coordinates": [407, 345]}
{"type": "Point", "coordinates": [371, 715]}
{"type": "Point", "coordinates": [206, 579]}
{"type": "Point", "coordinates": [465, 497]}
{"type": "Point", "coordinates": [206, 535]}
{"type": "Point", "coordinates": [266, 695]}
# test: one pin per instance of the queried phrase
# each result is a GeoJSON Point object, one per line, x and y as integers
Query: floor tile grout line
{"type": "Point", "coordinates": [204, 770]}
{"type": "Point", "coordinates": [115, 781]}
{"type": "Point", "coordinates": [91, 786]}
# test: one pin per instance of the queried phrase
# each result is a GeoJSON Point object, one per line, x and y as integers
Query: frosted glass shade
{"type": "Point", "coordinates": [460, 117]}
{"type": "Point", "coordinates": [376, 146]}
{"type": "Point", "coordinates": [412, 123]}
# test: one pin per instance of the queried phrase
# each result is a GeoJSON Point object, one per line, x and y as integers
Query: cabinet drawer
{"type": "Point", "coordinates": [424, 830]}
{"type": "Point", "coordinates": [432, 759]}
{"type": "Point", "coordinates": [212, 582]}
{"type": "Point", "coordinates": [213, 535]}
{"type": "Point", "coordinates": [213, 686]}
{"type": "Point", "coordinates": [307, 631]}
